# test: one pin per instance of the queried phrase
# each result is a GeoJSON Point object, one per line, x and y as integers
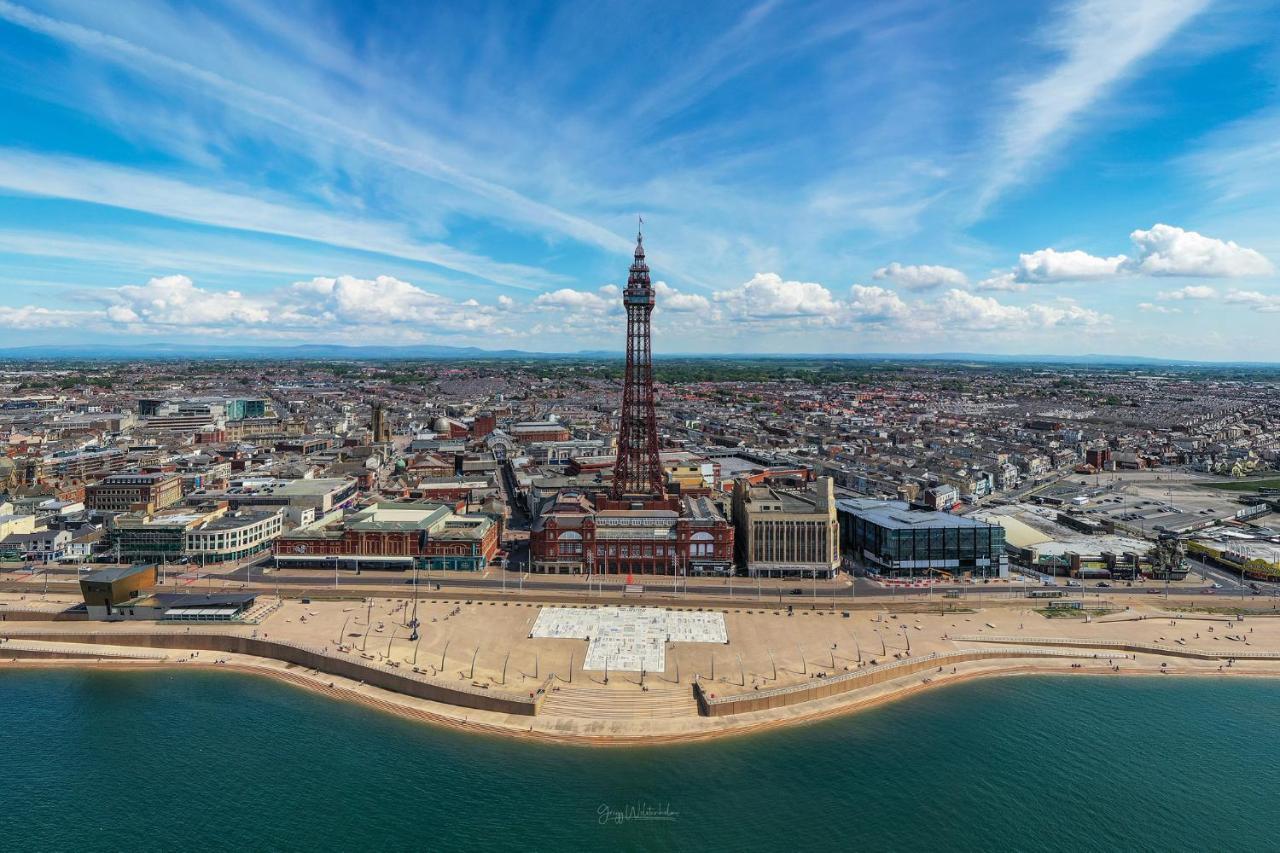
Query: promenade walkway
{"type": "Point", "coordinates": [1225, 653]}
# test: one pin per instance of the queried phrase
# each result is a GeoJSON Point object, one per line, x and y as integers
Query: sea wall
{"type": "Point", "coordinates": [7, 615]}
{"type": "Point", "coordinates": [410, 684]}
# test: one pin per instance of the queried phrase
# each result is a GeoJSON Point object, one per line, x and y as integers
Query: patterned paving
{"type": "Point", "coordinates": [629, 639]}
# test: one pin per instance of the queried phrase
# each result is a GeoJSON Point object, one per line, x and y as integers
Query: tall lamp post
{"type": "Point", "coordinates": [413, 621]}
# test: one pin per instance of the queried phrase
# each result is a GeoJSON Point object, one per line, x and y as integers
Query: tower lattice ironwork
{"type": "Point", "coordinates": [638, 471]}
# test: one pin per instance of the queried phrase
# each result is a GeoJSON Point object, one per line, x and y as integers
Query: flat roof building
{"type": "Point", "coordinates": [787, 532]}
{"type": "Point", "coordinates": [393, 536]}
{"type": "Point", "coordinates": [186, 607]}
{"type": "Point", "coordinates": [895, 538]}
{"type": "Point", "coordinates": [321, 494]}
{"type": "Point", "coordinates": [134, 491]}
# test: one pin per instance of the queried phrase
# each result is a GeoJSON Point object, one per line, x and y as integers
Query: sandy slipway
{"type": "Point", "coordinates": [478, 668]}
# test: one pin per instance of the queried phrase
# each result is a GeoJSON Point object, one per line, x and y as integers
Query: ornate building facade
{"type": "Point", "coordinates": [635, 526]}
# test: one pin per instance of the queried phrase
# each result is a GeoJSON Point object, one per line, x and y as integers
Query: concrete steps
{"type": "Point", "coordinates": [601, 703]}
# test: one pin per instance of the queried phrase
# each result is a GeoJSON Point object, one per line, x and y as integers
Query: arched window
{"type": "Point", "coordinates": [570, 543]}
{"type": "Point", "coordinates": [702, 544]}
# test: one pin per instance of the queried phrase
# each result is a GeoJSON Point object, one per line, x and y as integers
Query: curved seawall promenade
{"type": "Point", "coordinates": [478, 666]}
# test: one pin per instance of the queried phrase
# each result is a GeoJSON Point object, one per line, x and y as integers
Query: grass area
{"type": "Point", "coordinates": [1074, 612]}
{"type": "Point", "coordinates": [1227, 611]}
{"type": "Point", "coordinates": [1246, 485]}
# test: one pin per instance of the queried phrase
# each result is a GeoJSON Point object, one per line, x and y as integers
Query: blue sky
{"type": "Point", "coordinates": [1077, 177]}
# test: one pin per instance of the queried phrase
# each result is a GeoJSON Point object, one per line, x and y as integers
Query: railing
{"type": "Point", "coordinates": [738, 703]}
{"type": "Point", "coordinates": [8, 645]}
{"type": "Point", "coordinates": [1150, 648]}
{"type": "Point", "coordinates": [389, 678]}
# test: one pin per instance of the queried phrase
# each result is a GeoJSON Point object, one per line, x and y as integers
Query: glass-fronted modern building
{"type": "Point", "coordinates": [896, 539]}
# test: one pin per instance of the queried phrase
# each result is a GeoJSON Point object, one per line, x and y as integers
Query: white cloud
{"type": "Point", "coordinates": [1049, 265]}
{"type": "Point", "coordinates": [174, 300]}
{"type": "Point", "coordinates": [1163, 250]}
{"type": "Point", "coordinates": [1004, 281]}
{"type": "Point", "coordinates": [1267, 303]}
{"type": "Point", "coordinates": [922, 276]}
{"type": "Point", "coordinates": [1168, 250]}
{"type": "Point", "coordinates": [577, 300]}
{"type": "Point", "coordinates": [1152, 308]}
{"type": "Point", "coordinates": [385, 300]}
{"type": "Point", "coordinates": [36, 317]}
{"type": "Point", "coordinates": [670, 299]}
{"type": "Point", "coordinates": [962, 309]}
{"type": "Point", "coordinates": [1191, 291]}
{"type": "Point", "coordinates": [320, 308]}
{"type": "Point", "coordinates": [870, 304]}
{"type": "Point", "coordinates": [768, 296]}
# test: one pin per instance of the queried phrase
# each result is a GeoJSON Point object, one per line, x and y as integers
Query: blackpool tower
{"type": "Point", "coordinates": [637, 473]}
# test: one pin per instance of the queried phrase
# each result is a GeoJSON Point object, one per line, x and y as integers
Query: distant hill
{"type": "Point", "coordinates": [164, 351]}
{"type": "Point", "coordinates": [300, 351]}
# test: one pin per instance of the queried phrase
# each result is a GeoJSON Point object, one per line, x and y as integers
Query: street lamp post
{"type": "Point", "coordinates": [413, 623]}
{"type": "Point", "coordinates": [416, 643]}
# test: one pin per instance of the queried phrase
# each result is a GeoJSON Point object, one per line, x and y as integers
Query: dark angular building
{"type": "Point", "coordinates": [899, 540]}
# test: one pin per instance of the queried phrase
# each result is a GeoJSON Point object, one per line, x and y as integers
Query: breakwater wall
{"type": "Point", "coordinates": [388, 678]}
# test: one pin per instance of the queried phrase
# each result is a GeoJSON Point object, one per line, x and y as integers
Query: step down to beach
{"type": "Point", "coordinates": [599, 703]}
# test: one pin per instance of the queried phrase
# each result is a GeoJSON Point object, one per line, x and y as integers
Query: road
{"type": "Point", "coordinates": [782, 591]}
{"type": "Point", "coordinates": [1230, 581]}
{"type": "Point", "coordinates": [495, 580]}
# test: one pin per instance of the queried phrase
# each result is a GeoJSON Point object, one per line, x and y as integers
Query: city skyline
{"type": "Point", "coordinates": [1068, 178]}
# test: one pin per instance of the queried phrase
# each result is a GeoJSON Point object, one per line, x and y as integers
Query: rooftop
{"type": "Point", "coordinates": [899, 515]}
{"type": "Point", "coordinates": [115, 573]}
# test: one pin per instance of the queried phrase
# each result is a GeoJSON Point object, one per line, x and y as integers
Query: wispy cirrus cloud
{"type": "Point", "coordinates": [1100, 44]}
{"type": "Point", "coordinates": [90, 181]}
{"type": "Point", "coordinates": [288, 113]}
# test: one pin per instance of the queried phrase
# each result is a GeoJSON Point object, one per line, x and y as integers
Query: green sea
{"type": "Point", "coordinates": [140, 761]}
